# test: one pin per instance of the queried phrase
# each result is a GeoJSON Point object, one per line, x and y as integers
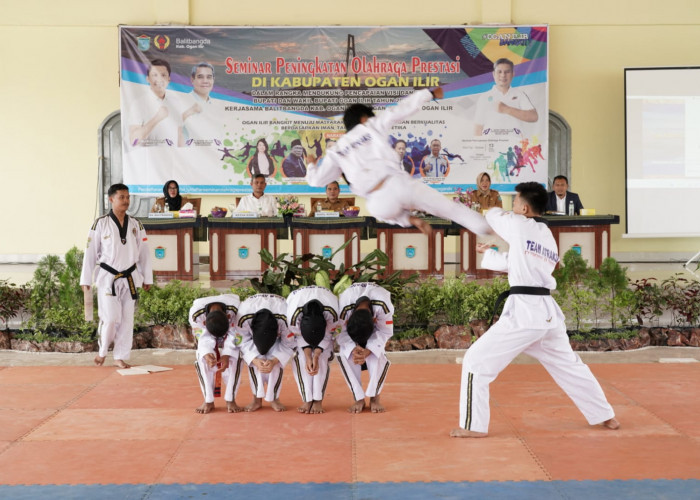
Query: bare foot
{"type": "Point", "coordinates": [464, 433]}
{"type": "Point", "coordinates": [421, 225]}
{"type": "Point", "coordinates": [375, 406]}
{"type": "Point", "coordinates": [277, 406]}
{"type": "Point", "coordinates": [317, 407]}
{"type": "Point", "coordinates": [232, 407]}
{"type": "Point", "coordinates": [99, 360]}
{"type": "Point", "coordinates": [612, 423]}
{"type": "Point", "coordinates": [305, 408]}
{"type": "Point", "coordinates": [119, 363]}
{"type": "Point", "coordinates": [254, 405]}
{"type": "Point", "coordinates": [357, 407]}
{"type": "Point", "coordinates": [205, 408]}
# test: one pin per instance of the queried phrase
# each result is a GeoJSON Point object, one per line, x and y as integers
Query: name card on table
{"type": "Point", "coordinates": [244, 215]}
{"type": "Point", "coordinates": [161, 215]}
{"type": "Point", "coordinates": [327, 214]}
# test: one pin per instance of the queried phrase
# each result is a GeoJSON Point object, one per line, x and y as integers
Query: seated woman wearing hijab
{"type": "Point", "coordinates": [484, 195]}
{"type": "Point", "coordinates": [171, 191]}
{"type": "Point", "coordinates": [262, 162]}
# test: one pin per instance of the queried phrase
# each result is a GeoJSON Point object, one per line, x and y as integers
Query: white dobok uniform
{"type": "Point", "coordinates": [366, 158]}
{"type": "Point", "coordinates": [533, 324]}
{"type": "Point", "coordinates": [377, 362]}
{"type": "Point", "coordinates": [224, 346]}
{"type": "Point", "coordinates": [265, 385]}
{"type": "Point", "coordinates": [312, 387]}
{"type": "Point", "coordinates": [115, 293]}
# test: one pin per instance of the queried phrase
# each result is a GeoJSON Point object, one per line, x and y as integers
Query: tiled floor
{"type": "Point", "coordinates": [87, 432]}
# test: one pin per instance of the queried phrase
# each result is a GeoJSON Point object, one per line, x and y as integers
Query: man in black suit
{"type": "Point", "coordinates": [558, 200]}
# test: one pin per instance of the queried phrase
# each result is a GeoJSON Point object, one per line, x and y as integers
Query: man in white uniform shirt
{"type": "Point", "coordinates": [218, 354]}
{"type": "Point", "coordinates": [366, 159]}
{"type": "Point", "coordinates": [266, 345]}
{"type": "Point", "coordinates": [258, 202]}
{"type": "Point", "coordinates": [312, 316]}
{"type": "Point", "coordinates": [154, 119]}
{"type": "Point", "coordinates": [502, 109]}
{"type": "Point", "coordinates": [367, 319]}
{"type": "Point", "coordinates": [118, 244]}
{"type": "Point", "coordinates": [531, 321]}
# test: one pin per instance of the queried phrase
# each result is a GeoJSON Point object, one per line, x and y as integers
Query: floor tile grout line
{"type": "Point", "coordinates": [172, 458]}
{"type": "Point", "coordinates": [524, 442]}
{"type": "Point", "coordinates": [53, 415]}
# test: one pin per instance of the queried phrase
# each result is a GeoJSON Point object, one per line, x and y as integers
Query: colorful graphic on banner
{"type": "Point", "coordinates": [212, 106]}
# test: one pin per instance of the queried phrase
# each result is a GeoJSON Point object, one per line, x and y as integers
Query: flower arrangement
{"type": "Point", "coordinates": [463, 196]}
{"type": "Point", "coordinates": [289, 205]}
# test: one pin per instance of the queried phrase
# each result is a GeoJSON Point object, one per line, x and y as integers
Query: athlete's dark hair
{"type": "Point", "coordinates": [354, 114]}
{"type": "Point", "coordinates": [217, 323]}
{"type": "Point", "coordinates": [534, 194]}
{"type": "Point", "coordinates": [116, 187]}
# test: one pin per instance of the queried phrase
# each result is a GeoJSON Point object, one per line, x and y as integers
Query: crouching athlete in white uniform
{"type": "Point", "coordinates": [531, 320]}
{"type": "Point", "coordinates": [367, 315]}
{"type": "Point", "coordinates": [218, 353]}
{"type": "Point", "coordinates": [312, 316]}
{"type": "Point", "coordinates": [266, 345]}
{"type": "Point", "coordinates": [368, 162]}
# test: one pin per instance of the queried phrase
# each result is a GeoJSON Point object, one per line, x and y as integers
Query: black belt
{"type": "Point", "coordinates": [518, 290]}
{"type": "Point", "coordinates": [122, 274]}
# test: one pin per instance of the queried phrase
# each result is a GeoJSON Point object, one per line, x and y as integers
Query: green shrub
{"type": "Point", "coordinates": [13, 301]}
{"type": "Point", "coordinates": [168, 305]}
{"type": "Point", "coordinates": [481, 302]}
{"type": "Point", "coordinates": [56, 299]}
{"type": "Point", "coordinates": [420, 303]}
{"type": "Point", "coordinates": [410, 333]}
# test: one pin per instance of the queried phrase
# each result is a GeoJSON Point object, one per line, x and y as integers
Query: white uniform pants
{"type": "Point", "coordinates": [401, 193]}
{"type": "Point", "coordinates": [231, 376]}
{"type": "Point", "coordinates": [499, 345]}
{"type": "Point", "coordinates": [116, 313]}
{"type": "Point", "coordinates": [311, 387]}
{"type": "Point", "coordinates": [377, 366]}
{"type": "Point", "coordinates": [266, 385]}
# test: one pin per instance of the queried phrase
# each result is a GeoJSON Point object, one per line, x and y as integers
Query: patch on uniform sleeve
{"type": "Point", "coordinates": [389, 322]}
{"type": "Point", "coordinates": [237, 339]}
{"type": "Point", "coordinates": [145, 239]}
{"type": "Point", "coordinates": [290, 335]}
{"type": "Point", "coordinates": [88, 243]}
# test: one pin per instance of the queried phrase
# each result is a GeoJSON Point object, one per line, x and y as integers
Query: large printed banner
{"type": "Point", "coordinates": [211, 106]}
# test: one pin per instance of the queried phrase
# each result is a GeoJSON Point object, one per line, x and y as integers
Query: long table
{"type": "Point", "coordinates": [410, 251]}
{"type": "Point", "coordinates": [324, 235]}
{"type": "Point", "coordinates": [589, 235]}
{"type": "Point", "coordinates": [235, 243]}
{"type": "Point", "coordinates": [171, 246]}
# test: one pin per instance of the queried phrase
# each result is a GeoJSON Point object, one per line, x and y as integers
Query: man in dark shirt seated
{"type": "Point", "coordinates": [558, 200]}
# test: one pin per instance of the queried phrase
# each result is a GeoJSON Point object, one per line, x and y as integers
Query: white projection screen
{"type": "Point", "coordinates": [662, 151]}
